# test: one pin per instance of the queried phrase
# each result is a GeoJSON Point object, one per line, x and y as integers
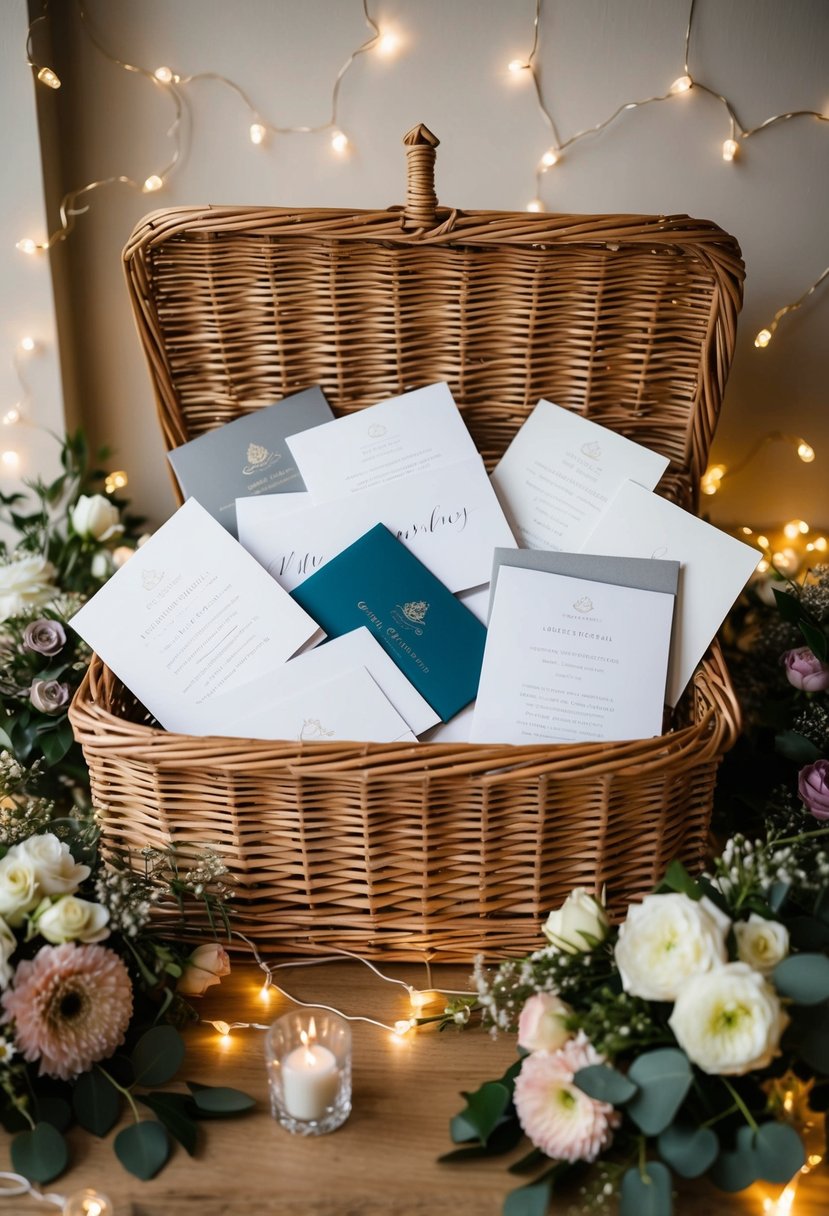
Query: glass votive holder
{"type": "Point", "coordinates": [308, 1058]}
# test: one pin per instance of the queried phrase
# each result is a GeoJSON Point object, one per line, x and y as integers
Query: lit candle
{"type": "Point", "coordinates": [310, 1078]}
{"type": "Point", "coordinates": [88, 1203]}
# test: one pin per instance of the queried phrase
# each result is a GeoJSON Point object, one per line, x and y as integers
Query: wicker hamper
{"type": "Point", "coordinates": [435, 850]}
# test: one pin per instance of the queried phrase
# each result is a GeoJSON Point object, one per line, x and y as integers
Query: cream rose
{"type": "Point", "coordinates": [729, 1021]}
{"type": "Point", "coordinates": [541, 1024]}
{"type": "Point", "coordinates": [665, 940]}
{"type": "Point", "coordinates": [205, 966]}
{"type": "Point", "coordinates": [27, 582]}
{"type": "Point", "coordinates": [579, 921]}
{"type": "Point", "coordinates": [761, 943]}
{"type": "Point", "coordinates": [97, 517]}
{"type": "Point", "coordinates": [57, 871]}
{"type": "Point", "coordinates": [70, 919]}
{"type": "Point", "coordinates": [19, 888]}
{"type": "Point", "coordinates": [8, 944]}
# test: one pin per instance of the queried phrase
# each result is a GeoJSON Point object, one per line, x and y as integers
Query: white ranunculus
{"type": "Point", "coordinates": [541, 1026]}
{"type": "Point", "coordinates": [56, 869]}
{"type": "Point", "coordinates": [579, 922]}
{"type": "Point", "coordinates": [19, 888]}
{"type": "Point", "coordinates": [761, 943]}
{"type": "Point", "coordinates": [26, 582]}
{"type": "Point", "coordinates": [95, 516]}
{"type": "Point", "coordinates": [70, 919]}
{"type": "Point", "coordinates": [665, 940]}
{"type": "Point", "coordinates": [8, 944]}
{"type": "Point", "coordinates": [729, 1021]}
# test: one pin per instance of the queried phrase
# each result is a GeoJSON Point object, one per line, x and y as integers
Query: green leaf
{"type": "Point", "coordinates": [796, 747]}
{"type": "Point", "coordinates": [5, 741]}
{"type": "Point", "coordinates": [677, 878]}
{"type": "Point", "coordinates": [157, 1056]}
{"type": "Point", "coordinates": [485, 1109]}
{"type": "Point", "coordinates": [175, 1112]}
{"type": "Point", "coordinates": [97, 1103]}
{"type": "Point", "coordinates": [736, 1168]}
{"type": "Point", "coordinates": [532, 1200]}
{"type": "Point", "coordinates": [55, 743]}
{"type": "Point", "coordinates": [689, 1151]}
{"type": "Point", "coordinates": [646, 1192]}
{"type": "Point", "coordinates": [815, 640]}
{"type": "Point", "coordinates": [142, 1148]}
{"type": "Point", "coordinates": [778, 1152]}
{"type": "Point", "coordinates": [40, 1154]}
{"type": "Point", "coordinates": [528, 1162]}
{"type": "Point", "coordinates": [461, 1130]}
{"type": "Point", "coordinates": [778, 894]}
{"type": "Point", "coordinates": [803, 977]}
{"type": "Point", "coordinates": [219, 1100]}
{"type": "Point", "coordinates": [788, 606]}
{"type": "Point", "coordinates": [604, 1083]}
{"type": "Point", "coordinates": [664, 1077]}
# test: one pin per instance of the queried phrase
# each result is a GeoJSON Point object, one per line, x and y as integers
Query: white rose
{"type": "Point", "coordinates": [19, 889]}
{"type": "Point", "coordinates": [57, 871]}
{"type": "Point", "coordinates": [70, 919]}
{"type": "Point", "coordinates": [8, 944]}
{"type": "Point", "coordinates": [665, 940]}
{"type": "Point", "coordinates": [580, 919]}
{"type": "Point", "coordinates": [97, 517]}
{"type": "Point", "coordinates": [101, 565]}
{"type": "Point", "coordinates": [761, 943]}
{"type": "Point", "coordinates": [541, 1024]}
{"type": "Point", "coordinates": [729, 1021]}
{"type": "Point", "coordinates": [27, 582]}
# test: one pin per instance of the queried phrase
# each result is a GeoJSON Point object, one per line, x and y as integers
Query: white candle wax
{"type": "Point", "coordinates": [310, 1081]}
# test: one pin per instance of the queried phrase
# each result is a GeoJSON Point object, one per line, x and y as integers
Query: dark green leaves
{"type": "Point", "coordinates": [604, 1083]}
{"type": "Point", "coordinates": [815, 639]}
{"type": "Point", "coordinates": [677, 878]}
{"type": "Point", "coordinates": [796, 747]}
{"type": "Point", "coordinates": [175, 1112]}
{"type": "Point", "coordinates": [219, 1100]}
{"type": "Point", "coordinates": [532, 1200]}
{"type": "Point", "coordinates": [663, 1077]}
{"type": "Point", "coordinates": [40, 1154]}
{"type": "Point", "coordinates": [804, 978]}
{"type": "Point", "coordinates": [157, 1055]}
{"type": "Point", "coordinates": [142, 1149]}
{"type": "Point", "coordinates": [646, 1192]}
{"type": "Point", "coordinates": [484, 1110]}
{"type": "Point", "coordinates": [774, 1153]}
{"type": "Point", "coordinates": [788, 606]}
{"type": "Point", "coordinates": [96, 1102]}
{"type": "Point", "coordinates": [689, 1150]}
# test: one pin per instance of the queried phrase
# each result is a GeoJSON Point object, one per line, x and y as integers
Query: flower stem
{"type": "Point", "coordinates": [722, 1115]}
{"type": "Point", "coordinates": [122, 1090]}
{"type": "Point", "coordinates": [803, 836]}
{"type": "Point", "coordinates": [740, 1105]}
{"type": "Point", "coordinates": [643, 1160]}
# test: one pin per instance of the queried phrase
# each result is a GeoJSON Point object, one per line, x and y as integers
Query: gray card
{"type": "Point", "coordinates": [247, 456]}
{"type": "Point", "coordinates": [645, 573]}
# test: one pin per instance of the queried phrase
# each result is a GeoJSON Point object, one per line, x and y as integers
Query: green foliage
{"type": "Point", "coordinates": [40, 1154]}
{"type": "Point", "coordinates": [143, 1149]}
{"type": "Point", "coordinates": [663, 1078]}
{"type": "Point", "coordinates": [690, 1151]}
{"type": "Point", "coordinates": [804, 978]}
{"type": "Point", "coordinates": [157, 1056]}
{"type": "Point", "coordinates": [604, 1083]}
{"type": "Point", "coordinates": [96, 1102]}
{"type": "Point", "coordinates": [646, 1191]}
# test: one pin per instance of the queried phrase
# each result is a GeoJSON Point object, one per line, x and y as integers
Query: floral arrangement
{"type": "Point", "coordinates": [90, 998]}
{"type": "Point", "coordinates": [68, 540]}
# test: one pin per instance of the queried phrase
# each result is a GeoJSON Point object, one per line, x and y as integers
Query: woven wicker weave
{"type": "Point", "coordinates": [438, 850]}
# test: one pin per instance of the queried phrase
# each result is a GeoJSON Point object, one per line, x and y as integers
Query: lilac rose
{"type": "Point", "coordinates": [805, 670]}
{"type": "Point", "coordinates": [44, 637]}
{"type": "Point", "coordinates": [49, 696]}
{"type": "Point", "coordinates": [813, 788]}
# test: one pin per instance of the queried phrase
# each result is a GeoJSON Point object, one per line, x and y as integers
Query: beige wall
{"type": "Point", "coordinates": [767, 55]}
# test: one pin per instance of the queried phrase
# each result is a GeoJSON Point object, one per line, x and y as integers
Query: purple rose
{"type": "Point", "coordinates": [813, 788]}
{"type": "Point", "coordinates": [805, 670]}
{"type": "Point", "coordinates": [44, 637]}
{"type": "Point", "coordinates": [49, 696]}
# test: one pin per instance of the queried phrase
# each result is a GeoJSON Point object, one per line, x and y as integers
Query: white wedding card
{"type": "Point", "coordinates": [570, 660]}
{"type": "Point", "coordinates": [357, 650]}
{"type": "Point", "coordinates": [715, 568]}
{"type": "Point", "coordinates": [449, 518]}
{"type": "Point", "coordinates": [417, 431]}
{"type": "Point", "coordinates": [191, 614]}
{"type": "Point", "coordinates": [557, 476]}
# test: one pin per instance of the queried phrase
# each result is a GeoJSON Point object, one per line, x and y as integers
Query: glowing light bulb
{"type": "Point", "coordinates": [517, 65]}
{"type": "Point", "coordinates": [387, 44]}
{"type": "Point", "coordinates": [402, 1026]}
{"type": "Point", "coordinates": [746, 531]}
{"type": "Point", "coordinates": [27, 245]}
{"type": "Point", "coordinates": [163, 75]}
{"type": "Point", "coordinates": [10, 458]}
{"type": "Point", "coordinates": [763, 542]}
{"type": "Point", "coordinates": [786, 560]}
{"type": "Point", "coordinates": [821, 544]}
{"type": "Point", "coordinates": [551, 157]}
{"type": "Point", "coordinates": [535, 204]}
{"type": "Point", "coordinates": [257, 133]}
{"type": "Point", "coordinates": [49, 78]}
{"type": "Point", "coordinates": [711, 479]}
{"type": "Point", "coordinates": [794, 528]}
{"type": "Point", "coordinates": [730, 149]}
{"type": "Point", "coordinates": [682, 84]}
{"type": "Point", "coordinates": [763, 338]}
{"type": "Point", "coordinates": [265, 992]}
{"type": "Point", "coordinates": [222, 1028]}
{"type": "Point", "coordinates": [339, 142]}
{"type": "Point", "coordinates": [782, 1205]}
{"type": "Point", "coordinates": [805, 451]}
{"type": "Point", "coordinates": [762, 566]}
{"type": "Point", "coordinates": [28, 344]}
{"type": "Point", "coordinates": [11, 416]}
{"type": "Point", "coordinates": [115, 481]}
{"type": "Point", "coordinates": [88, 1203]}
{"type": "Point", "coordinates": [152, 183]}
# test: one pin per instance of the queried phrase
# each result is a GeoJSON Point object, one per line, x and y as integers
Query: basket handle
{"type": "Point", "coordinates": [421, 200]}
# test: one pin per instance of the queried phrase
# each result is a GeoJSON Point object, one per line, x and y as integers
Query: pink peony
{"type": "Point", "coordinates": [813, 788]}
{"type": "Point", "coordinates": [557, 1116]}
{"type": "Point", "coordinates": [805, 670]}
{"type": "Point", "coordinates": [205, 966]}
{"type": "Point", "coordinates": [71, 1006]}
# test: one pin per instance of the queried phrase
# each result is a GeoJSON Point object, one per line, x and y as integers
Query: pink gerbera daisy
{"type": "Point", "coordinates": [71, 1005]}
{"type": "Point", "coordinates": [557, 1116]}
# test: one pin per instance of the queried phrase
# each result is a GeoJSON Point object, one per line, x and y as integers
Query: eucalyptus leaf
{"type": "Point", "coordinates": [219, 1100]}
{"type": "Point", "coordinates": [815, 640]}
{"type": "Point", "coordinates": [175, 1112]}
{"type": "Point", "coordinates": [40, 1154]}
{"type": "Point", "coordinates": [788, 606]}
{"type": "Point", "coordinates": [142, 1148]}
{"type": "Point", "coordinates": [664, 1078]}
{"type": "Point", "coordinates": [796, 747]}
{"type": "Point", "coordinates": [736, 1168]}
{"type": "Point", "coordinates": [677, 878]}
{"type": "Point", "coordinates": [157, 1056]}
{"type": "Point", "coordinates": [689, 1151]}
{"type": "Point", "coordinates": [646, 1192]}
{"type": "Point", "coordinates": [461, 1130]}
{"type": "Point", "coordinates": [778, 1152]}
{"type": "Point", "coordinates": [604, 1083]}
{"type": "Point", "coordinates": [803, 977]}
{"type": "Point", "coordinates": [528, 1162]}
{"type": "Point", "coordinates": [533, 1200]}
{"type": "Point", "coordinates": [485, 1108]}
{"type": "Point", "coordinates": [97, 1103]}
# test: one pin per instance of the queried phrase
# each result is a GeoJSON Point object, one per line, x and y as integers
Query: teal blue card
{"type": "Point", "coordinates": [436, 642]}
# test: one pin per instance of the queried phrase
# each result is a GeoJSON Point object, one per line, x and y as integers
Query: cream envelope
{"type": "Point", "coordinates": [448, 518]}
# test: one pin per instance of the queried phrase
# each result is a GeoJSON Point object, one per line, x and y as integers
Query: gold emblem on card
{"type": "Point", "coordinates": [376, 430]}
{"type": "Point", "coordinates": [592, 450]}
{"type": "Point", "coordinates": [259, 459]}
{"type": "Point", "coordinates": [411, 615]}
{"type": "Point", "coordinates": [585, 604]}
{"type": "Point", "coordinates": [151, 578]}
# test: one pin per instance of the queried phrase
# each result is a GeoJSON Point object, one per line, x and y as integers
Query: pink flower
{"type": "Point", "coordinates": [205, 966]}
{"type": "Point", "coordinates": [813, 788]}
{"type": "Point", "coordinates": [541, 1024]}
{"type": "Point", "coordinates": [557, 1116]}
{"type": "Point", "coordinates": [71, 1006]}
{"type": "Point", "coordinates": [805, 670]}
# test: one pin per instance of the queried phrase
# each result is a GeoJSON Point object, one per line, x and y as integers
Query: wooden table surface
{"type": "Point", "coordinates": [383, 1160]}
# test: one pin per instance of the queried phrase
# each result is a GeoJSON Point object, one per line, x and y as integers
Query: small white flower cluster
{"type": "Point", "coordinates": [746, 866]}
{"type": "Point", "coordinates": [129, 904]}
